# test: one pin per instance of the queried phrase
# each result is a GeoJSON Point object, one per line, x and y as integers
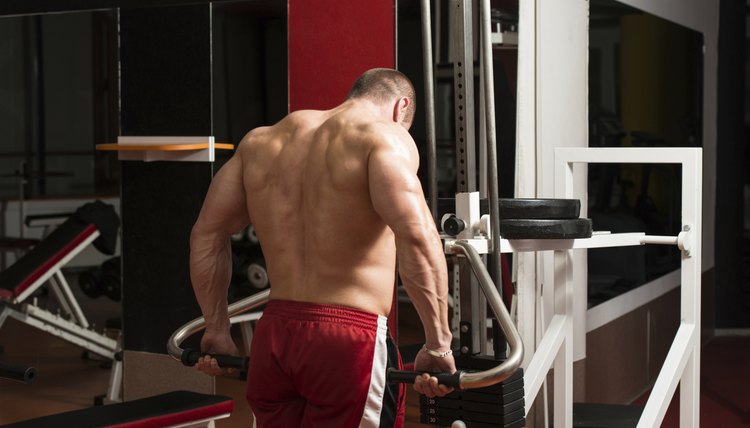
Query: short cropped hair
{"type": "Point", "coordinates": [383, 84]}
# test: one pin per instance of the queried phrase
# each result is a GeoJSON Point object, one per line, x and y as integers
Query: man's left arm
{"type": "Point", "coordinates": [224, 213]}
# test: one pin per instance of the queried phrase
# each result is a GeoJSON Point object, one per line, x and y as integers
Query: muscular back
{"type": "Point", "coordinates": [308, 190]}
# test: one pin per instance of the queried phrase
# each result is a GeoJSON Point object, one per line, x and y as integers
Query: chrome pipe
{"type": "Point", "coordinates": [491, 138]}
{"type": "Point", "coordinates": [198, 324]}
{"type": "Point", "coordinates": [429, 92]}
{"type": "Point", "coordinates": [470, 380]}
{"type": "Point", "coordinates": [659, 240]}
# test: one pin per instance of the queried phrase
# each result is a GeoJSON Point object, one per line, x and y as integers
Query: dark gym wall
{"type": "Point", "coordinates": [165, 56]}
{"type": "Point", "coordinates": [249, 58]}
{"type": "Point", "coordinates": [732, 296]}
{"type": "Point", "coordinates": [22, 7]}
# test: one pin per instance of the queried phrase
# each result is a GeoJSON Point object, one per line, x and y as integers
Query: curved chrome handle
{"type": "Point", "coordinates": [198, 324]}
{"type": "Point", "coordinates": [470, 380]}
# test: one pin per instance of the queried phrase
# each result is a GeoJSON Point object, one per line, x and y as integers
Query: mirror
{"type": "Point", "coordinates": [58, 99]}
{"type": "Point", "coordinates": [645, 89]}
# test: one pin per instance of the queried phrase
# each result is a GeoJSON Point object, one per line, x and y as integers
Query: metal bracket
{"type": "Point", "coordinates": [476, 227]}
{"type": "Point", "coordinates": [685, 240]}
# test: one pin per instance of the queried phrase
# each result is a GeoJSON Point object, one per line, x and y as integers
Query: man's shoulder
{"type": "Point", "coordinates": [285, 126]}
{"type": "Point", "coordinates": [386, 134]}
{"type": "Point", "coordinates": [302, 118]}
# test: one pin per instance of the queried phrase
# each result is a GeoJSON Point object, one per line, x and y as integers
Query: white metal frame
{"type": "Point", "coordinates": [555, 350]}
{"type": "Point", "coordinates": [209, 422]}
{"type": "Point", "coordinates": [552, 111]}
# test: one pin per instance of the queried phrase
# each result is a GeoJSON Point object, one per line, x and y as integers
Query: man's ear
{"type": "Point", "coordinates": [399, 109]}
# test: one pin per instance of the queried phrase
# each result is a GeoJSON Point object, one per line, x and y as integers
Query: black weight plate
{"type": "Point", "coordinates": [471, 406]}
{"type": "Point", "coordinates": [493, 393]}
{"type": "Point", "coordinates": [546, 229]}
{"type": "Point", "coordinates": [467, 416]}
{"type": "Point", "coordinates": [90, 282]}
{"type": "Point", "coordinates": [486, 418]}
{"type": "Point", "coordinates": [474, 397]}
{"type": "Point", "coordinates": [484, 397]}
{"type": "Point", "coordinates": [521, 423]}
{"type": "Point", "coordinates": [446, 422]}
{"type": "Point", "coordinates": [528, 208]}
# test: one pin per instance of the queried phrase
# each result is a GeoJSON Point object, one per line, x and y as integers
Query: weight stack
{"type": "Point", "coordinates": [497, 406]}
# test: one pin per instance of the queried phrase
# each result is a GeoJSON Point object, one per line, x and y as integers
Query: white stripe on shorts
{"type": "Point", "coordinates": [374, 405]}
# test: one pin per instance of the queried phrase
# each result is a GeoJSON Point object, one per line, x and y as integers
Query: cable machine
{"type": "Point", "coordinates": [491, 389]}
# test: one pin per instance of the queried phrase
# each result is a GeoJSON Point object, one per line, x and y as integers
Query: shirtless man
{"type": "Point", "coordinates": [335, 200]}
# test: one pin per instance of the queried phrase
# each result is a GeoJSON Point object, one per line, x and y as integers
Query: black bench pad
{"type": "Point", "coordinates": [65, 238]}
{"type": "Point", "coordinates": [162, 410]}
{"type": "Point", "coordinates": [22, 274]}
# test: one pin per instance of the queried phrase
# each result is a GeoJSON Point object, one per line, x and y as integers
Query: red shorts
{"type": "Point", "coordinates": [315, 365]}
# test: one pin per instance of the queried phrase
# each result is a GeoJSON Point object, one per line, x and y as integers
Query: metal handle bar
{"type": "Point", "coordinates": [405, 376]}
{"type": "Point", "coordinates": [471, 380]}
{"type": "Point", "coordinates": [190, 356]}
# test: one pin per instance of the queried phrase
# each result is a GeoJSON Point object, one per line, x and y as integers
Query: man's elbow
{"type": "Point", "coordinates": [417, 236]}
{"type": "Point", "coordinates": [202, 233]}
{"type": "Point", "coordinates": [197, 232]}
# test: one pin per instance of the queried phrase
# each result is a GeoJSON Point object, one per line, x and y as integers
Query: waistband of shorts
{"type": "Point", "coordinates": [308, 311]}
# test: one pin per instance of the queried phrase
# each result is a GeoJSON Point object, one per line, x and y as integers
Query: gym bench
{"type": "Point", "coordinates": [93, 223]}
{"type": "Point", "coordinates": [173, 409]}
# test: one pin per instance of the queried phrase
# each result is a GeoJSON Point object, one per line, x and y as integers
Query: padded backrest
{"type": "Point", "coordinates": [43, 257]}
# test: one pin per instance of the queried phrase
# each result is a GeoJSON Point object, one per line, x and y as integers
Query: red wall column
{"type": "Point", "coordinates": [331, 42]}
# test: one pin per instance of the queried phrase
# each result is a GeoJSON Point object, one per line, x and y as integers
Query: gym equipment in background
{"type": "Point", "coordinates": [96, 224]}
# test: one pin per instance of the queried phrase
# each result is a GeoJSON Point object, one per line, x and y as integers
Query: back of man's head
{"type": "Point", "coordinates": [383, 85]}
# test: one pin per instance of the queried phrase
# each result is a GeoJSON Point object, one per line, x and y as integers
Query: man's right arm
{"type": "Point", "coordinates": [223, 213]}
{"type": "Point", "coordinates": [397, 196]}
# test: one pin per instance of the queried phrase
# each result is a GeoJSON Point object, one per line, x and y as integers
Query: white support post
{"type": "Point", "coordinates": [525, 264]}
{"type": "Point", "coordinates": [564, 290]}
{"type": "Point", "coordinates": [4, 312]}
{"type": "Point", "coordinates": [114, 390]}
{"type": "Point", "coordinates": [690, 305]}
{"type": "Point", "coordinates": [467, 209]}
{"type": "Point", "coordinates": [67, 298]}
{"type": "Point", "coordinates": [666, 383]}
{"type": "Point", "coordinates": [59, 295]}
{"type": "Point", "coordinates": [546, 352]}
